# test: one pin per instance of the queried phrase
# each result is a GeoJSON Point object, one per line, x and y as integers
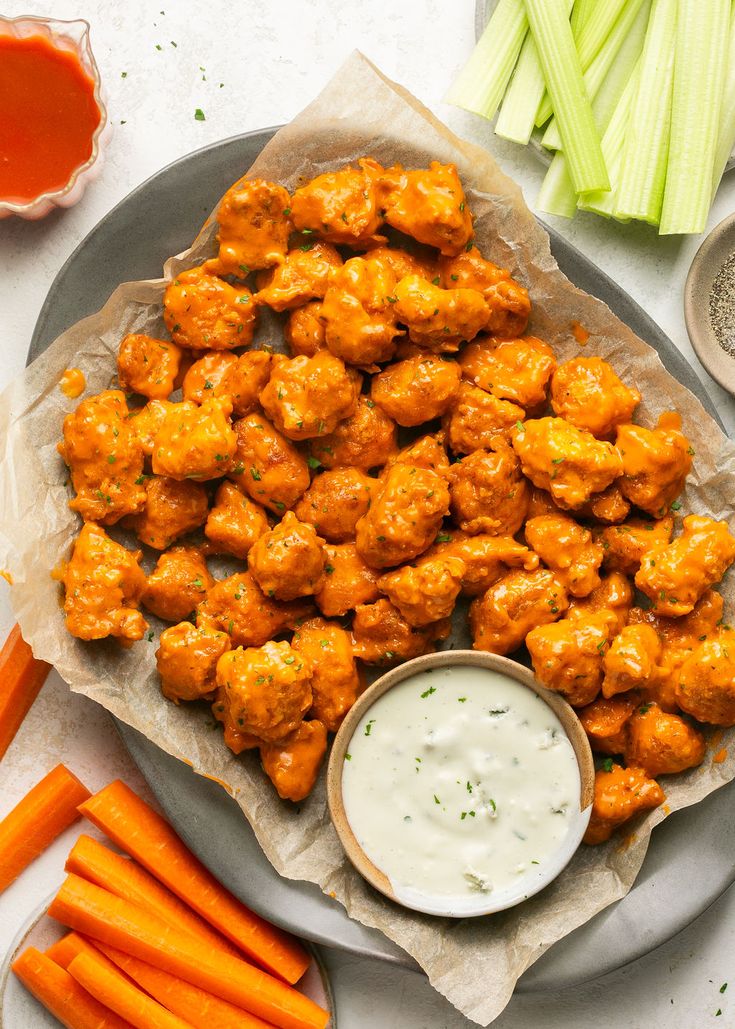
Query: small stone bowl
{"type": "Point", "coordinates": [479, 904]}
{"type": "Point", "coordinates": [709, 259]}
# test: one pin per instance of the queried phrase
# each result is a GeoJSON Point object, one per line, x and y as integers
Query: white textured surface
{"type": "Point", "coordinates": [272, 56]}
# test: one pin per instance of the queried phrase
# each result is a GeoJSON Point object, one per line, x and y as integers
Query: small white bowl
{"type": "Point", "coordinates": [74, 37]}
{"type": "Point", "coordinates": [481, 903]}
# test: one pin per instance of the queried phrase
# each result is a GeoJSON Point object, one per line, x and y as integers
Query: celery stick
{"type": "Point", "coordinates": [480, 85]}
{"type": "Point", "coordinates": [726, 133]}
{"type": "Point", "coordinates": [580, 15]}
{"type": "Point", "coordinates": [702, 38]}
{"type": "Point", "coordinates": [557, 195]}
{"type": "Point", "coordinates": [592, 35]}
{"type": "Point", "coordinates": [560, 64]}
{"type": "Point", "coordinates": [518, 111]}
{"type": "Point", "coordinates": [641, 188]}
{"type": "Point", "coordinates": [597, 71]}
{"type": "Point", "coordinates": [613, 142]}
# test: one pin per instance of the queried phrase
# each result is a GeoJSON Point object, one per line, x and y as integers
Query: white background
{"type": "Point", "coordinates": [272, 57]}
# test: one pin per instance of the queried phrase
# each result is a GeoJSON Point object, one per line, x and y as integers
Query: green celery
{"type": "Point", "coordinates": [580, 15]}
{"type": "Point", "coordinates": [643, 175]}
{"type": "Point", "coordinates": [557, 195]}
{"type": "Point", "coordinates": [702, 39]}
{"type": "Point", "coordinates": [480, 85]}
{"type": "Point", "coordinates": [558, 56]}
{"type": "Point", "coordinates": [592, 35]}
{"type": "Point", "coordinates": [627, 23]}
{"type": "Point", "coordinates": [726, 133]}
{"type": "Point", "coordinates": [518, 110]}
{"type": "Point", "coordinates": [613, 142]}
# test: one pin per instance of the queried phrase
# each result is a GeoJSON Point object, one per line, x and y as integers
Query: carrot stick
{"type": "Point", "coordinates": [202, 1009]}
{"type": "Point", "coordinates": [62, 995]}
{"type": "Point", "coordinates": [64, 951]}
{"type": "Point", "coordinates": [95, 862]}
{"type": "Point", "coordinates": [140, 831]}
{"type": "Point", "coordinates": [117, 922]}
{"type": "Point", "coordinates": [21, 679]}
{"type": "Point", "coordinates": [106, 982]}
{"type": "Point", "coordinates": [34, 823]}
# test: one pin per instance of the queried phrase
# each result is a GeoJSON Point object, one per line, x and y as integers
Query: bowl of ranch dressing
{"type": "Point", "coordinates": [458, 785]}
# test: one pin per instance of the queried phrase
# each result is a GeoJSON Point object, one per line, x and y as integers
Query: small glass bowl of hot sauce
{"type": "Point", "coordinates": [53, 120]}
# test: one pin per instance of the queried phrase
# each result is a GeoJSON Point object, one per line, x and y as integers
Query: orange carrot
{"type": "Point", "coordinates": [140, 831]}
{"type": "Point", "coordinates": [21, 679]}
{"type": "Point", "coordinates": [97, 913]}
{"type": "Point", "coordinates": [62, 995]}
{"type": "Point", "coordinates": [64, 951]}
{"type": "Point", "coordinates": [202, 1009]}
{"type": "Point", "coordinates": [106, 982]}
{"type": "Point", "coordinates": [34, 823]}
{"type": "Point", "coordinates": [95, 862]}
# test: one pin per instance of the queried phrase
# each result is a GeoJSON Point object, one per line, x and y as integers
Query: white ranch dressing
{"type": "Point", "coordinates": [460, 781]}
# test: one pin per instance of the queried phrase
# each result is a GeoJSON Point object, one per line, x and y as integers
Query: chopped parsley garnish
{"type": "Point", "coordinates": [199, 114]}
{"type": "Point", "coordinates": [369, 727]}
{"type": "Point", "coordinates": [427, 693]}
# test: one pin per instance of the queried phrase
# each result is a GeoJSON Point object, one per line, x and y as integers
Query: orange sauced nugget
{"type": "Point", "coordinates": [195, 442]}
{"type": "Point", "coordinates": [203, 312]}
{"type": "Point", "coordinates": [187, 659]}
{"type": "Point", "coordinates": [293, 764]}
{"type": "Point", "coordinates": [254, 226]}
{"type": "Point", "coordinates": [148, 366]}
{"type": "Point", "coordinates": [335, 680]}
{"type": "Point", "coordinates": [177, 584]}
{"type": "Point", "coordinates": [620, 794]}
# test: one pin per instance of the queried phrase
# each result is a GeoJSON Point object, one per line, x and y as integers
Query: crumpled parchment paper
{"type": "Point", "coordinates": [475, 962]}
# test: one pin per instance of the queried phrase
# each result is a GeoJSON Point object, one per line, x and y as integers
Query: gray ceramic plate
{"type": "Point", "coordinates": [689, 863]}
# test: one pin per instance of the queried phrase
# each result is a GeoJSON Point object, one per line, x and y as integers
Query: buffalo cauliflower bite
{"type": "Point", "coordinates": [567, 548]}
{"type": "Point", "coordinates": [304, 331]}
{"type": "Point", "coordinates": [335, 502]}
{"type": "Point", "coordinates": [656, 463]}
{"type": "Point", "coordinates": [146, 421]}
{"type": "Point", "coordinates": [567, 655]}
{"type": "Point", "coordinates": [632, 660]}
{"type": "Point", "coordinates": [367, 439]}
{"type": "Point", "coordinates": [427, 204]}
{"type": "Point", "coordinates": [303, 276]}
{"type": "Point", "coordinates": [288, 561]}
{"type": "Point", "coordinates": [335, 680]}
{"type": "Point", "coordinates": [587, 393]}
{"type": "Point", "coordinates": [203, 312]}
{"type": "Point", "coordinates": [381, 635]}
{"type": "Point", "coordinates": [237, 605]}
{"type": "Point", "coordinates": [705, 687]}
{"type": "Point", "coordinates": [148, 366]}
{"type": "Point", "coordinates": [235, 521]}
{"type": "Point", "coordinates": [172, 508]}
{"type": "Point", "coordinates": [400, 263]}
{"type": "Point", "coordinates": [206, 377]}
{"type": "Point", "coordinates": [438, 319]}
{"type": "Point", "coordinates": [675, 575]}
{"type": "Point", "coordinates": [568, 462]}
{"type": "Point", "coordinates": [341, 206]}
{"type": "Point", "coordinates": [404, 516]}
{"type": "Point", "coordinates": [292, 764]}
{"type": "Point", "coordinates": [609, 507]}
{"type": "Point", "coordinates": [425, 592]}
{"type": "Point", "coordinates": [605, 721]}
{"type": "Point", "coordinates": [626, 545]}
{"type": "Point", "coordinates": [357, 310]}
{"type": "Point", "coordinates": [620, 794]}
{"type": "Point", "coordinates": [485, 558]}
{"type": "Point", "coordinates": [503, 616]}
{"type": "Point", "coordinates": [508, 302]}
{"type": "Point", "coordinates": [477, 420]}
{"type": "Point", "coordinates": [245, 381]}
{"type": "Point", "coordinates": [186, 660]}
{"type": "Point", "coordinates": [614, 594]}
{"type": "Point", "coordinates": [254, 227]}
{"type": "Point", "coordinates": [195, 442]}
{"type": "Point", "coordinates": [423, 452]}
{"type": "Point", "coordinates": [267, 465]}
{"type": "Point", "coordinates": [103, 583]}
{"type": "Point", "coordinates": [308, 396]}
{"type": "Point", "coordinates": [177, 584]}
{"type": "Point", "coordinates": [347, 581]}
{"type": "Point", "coordinates": [662, 743]}
{"type": "Point", "coordinates": [267, 689]}
{"type": "Point", "coordinates": [105, 458]}
{"type": "Point", "coordinates": [417, 389]}
{"type": "Point", "coordinates": [488, 492]}
{"type": "Point", "coordinates": [511, 369]}
{"type": "Point", "coordinates": [234, 738]}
